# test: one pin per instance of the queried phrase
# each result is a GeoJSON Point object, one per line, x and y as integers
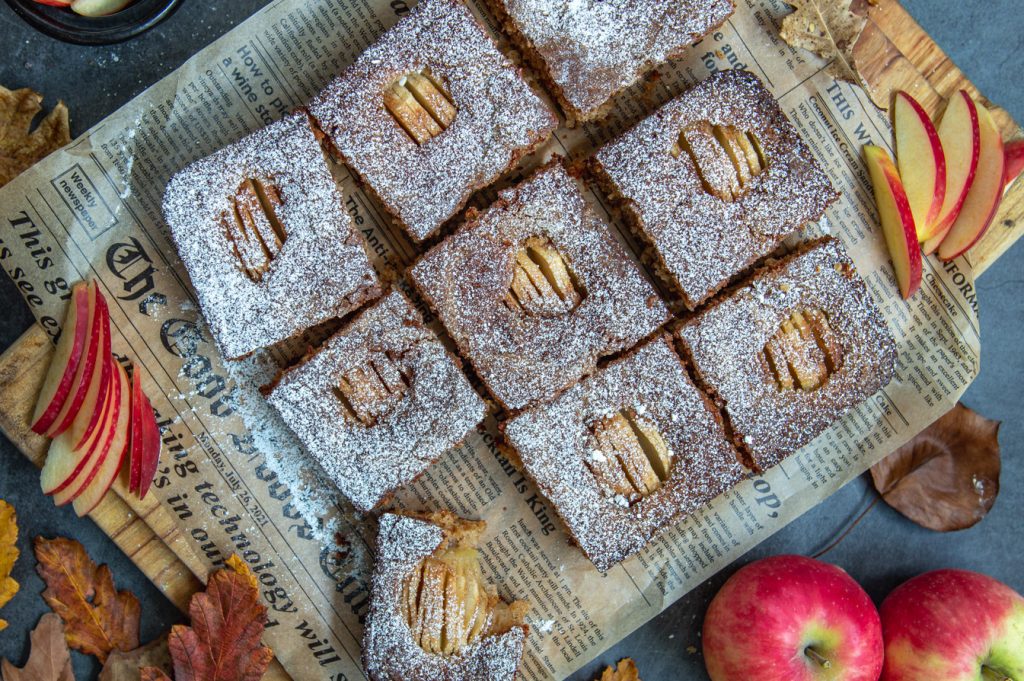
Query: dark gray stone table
{"type": "Point", "coordinates": [986, 39]}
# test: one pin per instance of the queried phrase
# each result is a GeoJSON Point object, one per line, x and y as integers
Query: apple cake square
{"type": "Point", "coordinates": [626, 452]}
{"type": "Point", "coordinates": [712, 182]}
{"type": "Point", "coordinates": [789, 350]}
{"type": "Point", "coordinates": [262, 231]}
{"type": "Point", "coordinates": [588, 51]}
{"type": "Point", "coordinates": [432, 613]}
{"type": "Point", "coordinates": [430, 113]}
{"type": "Point", "coordinates": [378, 402]}
{"type": "Point", "coordinates": [536, 289]}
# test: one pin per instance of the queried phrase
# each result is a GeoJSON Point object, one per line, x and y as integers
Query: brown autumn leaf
{"type": "Point", "coordinates": [20, 148]}
{"type": "Point", "coordinates": [97, 619]}
{"type": "Point", "coordinates": [8, 554]}
{"type": "Point", "coordinates": [829, 29]}
{"type": "Point", "coordinates": [49, 658]}
{"type": "Point", "coordinates": [223, 641]}
{"type": "Point", "coordinates": [153, 674]}
{"type": "Point", "coordinates": [124, 666]}
{"type": "Point", "coordinates": [626, 671]}
{"type": "Point", "coordinates": [947, 477]}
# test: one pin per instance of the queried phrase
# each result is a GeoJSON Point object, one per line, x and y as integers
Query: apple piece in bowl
{"type": "Point", "coordinates": [922, 163]}
{"type": "Point", "coordinates": [98, 8]}
{"type": "Point", "coordinates": [985, 194]}
{"type": "Point", "coordinates": [897, 219]}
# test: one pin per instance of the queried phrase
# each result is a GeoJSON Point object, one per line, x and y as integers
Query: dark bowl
{"type": "Point", "coordinates": [63, 24]}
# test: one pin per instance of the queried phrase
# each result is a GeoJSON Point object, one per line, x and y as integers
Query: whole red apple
{"type": "Point", "coordinates": [791, 618]}
{"type": "Point", "coordinates": [953, 625]}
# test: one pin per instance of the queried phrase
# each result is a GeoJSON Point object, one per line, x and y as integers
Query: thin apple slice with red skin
{"type": "Point", "coordinates": [66, 464]}
{"type": "Point", "coordinates": [921, 161]}
{"type": "Point", "coordinates": [83, 374]}
{"type": "Point", "coordinates": [960, 134]}
{"type": "Point", "coordinates": [136, 436]}
{"type": "Point", "coordinates": [151, 448]}
{"type": "Point", "coordinates": [897, 219]}
{"type": "Point", "coordinates": [985, 195]}
{"type": "Point", "coordinates": [61, 374]}
{"type": "Point", "coordinates": [99, 446]}
{"type": "Point", "coordinates": [1014, 160]}
{"type": "Point", "coordinates": [110, 467]}
{"type": "Point", "coordinates": [55, 3]}
{"type": "Point", "coordinates": [87, 420]}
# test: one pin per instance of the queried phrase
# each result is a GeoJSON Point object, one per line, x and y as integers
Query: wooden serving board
{"type": "Point", "coordinates": [894, 53]}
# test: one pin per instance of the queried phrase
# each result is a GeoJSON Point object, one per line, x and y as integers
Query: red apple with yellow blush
{"type": "Point", "coordinates": [791, 618]}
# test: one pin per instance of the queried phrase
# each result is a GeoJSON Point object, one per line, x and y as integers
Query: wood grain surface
{"type": "Point", "coordinates": [894, 53]}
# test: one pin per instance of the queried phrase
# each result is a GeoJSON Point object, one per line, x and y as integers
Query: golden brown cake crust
{"type": "Point", "coordinates": [726, 344]}
{"type": "Point", "coordinates": [698, 240]}
{"type": "Point", "coordinates": [370, 447]}
{"type": "Point", "coordinates": [557, 446]}
{"type": "Point", "coordinates": [390, 652]}
{"type": "Point", "coordinates": [589, 51]}
{"type": "Point", "coordinates": [527, 358]}
{"type": "Point", "coordinates": [499, 118]}
{"type": "Point", "coordinates": [322, 270]}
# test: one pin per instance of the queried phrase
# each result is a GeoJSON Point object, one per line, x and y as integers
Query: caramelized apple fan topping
{"type": "Point", "coordinates": [370, 391]}
{"type": "Point", "coordinates": [448, 605]}
{"type": "Point", "coordinates": [803, 353]}
{"type": "Point", "coordinates": [421, 105]}
{"type": "Point", "coordinates": [726, 158]}
{"type": "Point", "coordinates": [630, 459]}
{"type": "Point", "coordinates": [253, 229]}
{"type": "Point", "coordinates": [542, 282]}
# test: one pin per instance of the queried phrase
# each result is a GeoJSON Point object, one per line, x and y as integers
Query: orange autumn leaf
{"type": "Point", "coordinates": [8, 554]}
{"type": "Point", "coordinates": [626, 671]}
{"type": "Point", "coordinates": [97, 619]}
{"type": "Point", "coordinates": [223, 642]}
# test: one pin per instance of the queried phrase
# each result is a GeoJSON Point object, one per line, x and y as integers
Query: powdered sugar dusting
{"type": "Point", "coordinates": [594, 48]}
{"type": "Point", "coordinates": [499, 117]}
{"type": "Point", "coordinates": [725, 341]}
{"type": "Point", "coordinates": [368, 462]}
{"type": "Point", "coordinates": [554, 440]}
{"type": "Point", "coordinates": [523, 358]}
{"type": "Point", "coordinates": [699, 241]}
{"type": "Point", "coordinates": [322, 270]}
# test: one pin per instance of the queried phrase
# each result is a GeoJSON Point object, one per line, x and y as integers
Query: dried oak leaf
{"type": "Point", "coordinates": [947, 477]}
{"type": "Point", "coordinates": [97, 619]}
{"type": "Point", "coordinates": [223, 641]}
{"type": "Point", "coordinates": [829, 29]}
{"type": "Point", "coordinates": [8, 554]}
{"type": "Point", "coordinates": [49, 659]}
{"type": "Point", "coordinates": [626, 671]}
{"type": "Point", "coordinates": [124, 666]}
{"type": "Point", "coordinates": [20, 148]}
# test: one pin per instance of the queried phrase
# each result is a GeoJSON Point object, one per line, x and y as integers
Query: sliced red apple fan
{"type": "Point", "coordinates": [949, 184]}
{"type": "Point", "coordinates": [96, 415]}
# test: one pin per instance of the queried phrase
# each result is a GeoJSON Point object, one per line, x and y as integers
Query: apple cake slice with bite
{"type": "Point", "coordinates": [378, 402]}
{"type": "Point", "coordinates": [789, 350]}
{"type": "Point", "coordinates": [430, 113]}
{"type": "Point", "coordinates": [536, 289]}
{"type": "Point", "coordinates": [432, 613]}
{"type": "Point", "coordinates": [262, 230]}
{"type": "Point", "coordinates": [712, 182]}
{"type": "Point", "coordinates": [589, 51]}
{"type": "Point", "coordinates": [626, 452]}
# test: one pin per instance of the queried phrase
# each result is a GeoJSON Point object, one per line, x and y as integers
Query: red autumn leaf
{"type": "Point", "coordinates": [97, 619]}
{"type": "Point", "coordinates": [223, 642]}
{"type": "Point", "coordinates": [947, 477]}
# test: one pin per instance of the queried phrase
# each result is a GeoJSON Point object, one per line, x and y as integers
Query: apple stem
{"type": "Point", "coordinates": [990, 674]}
{"type": "Point", "coordinates": [821, 659]}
